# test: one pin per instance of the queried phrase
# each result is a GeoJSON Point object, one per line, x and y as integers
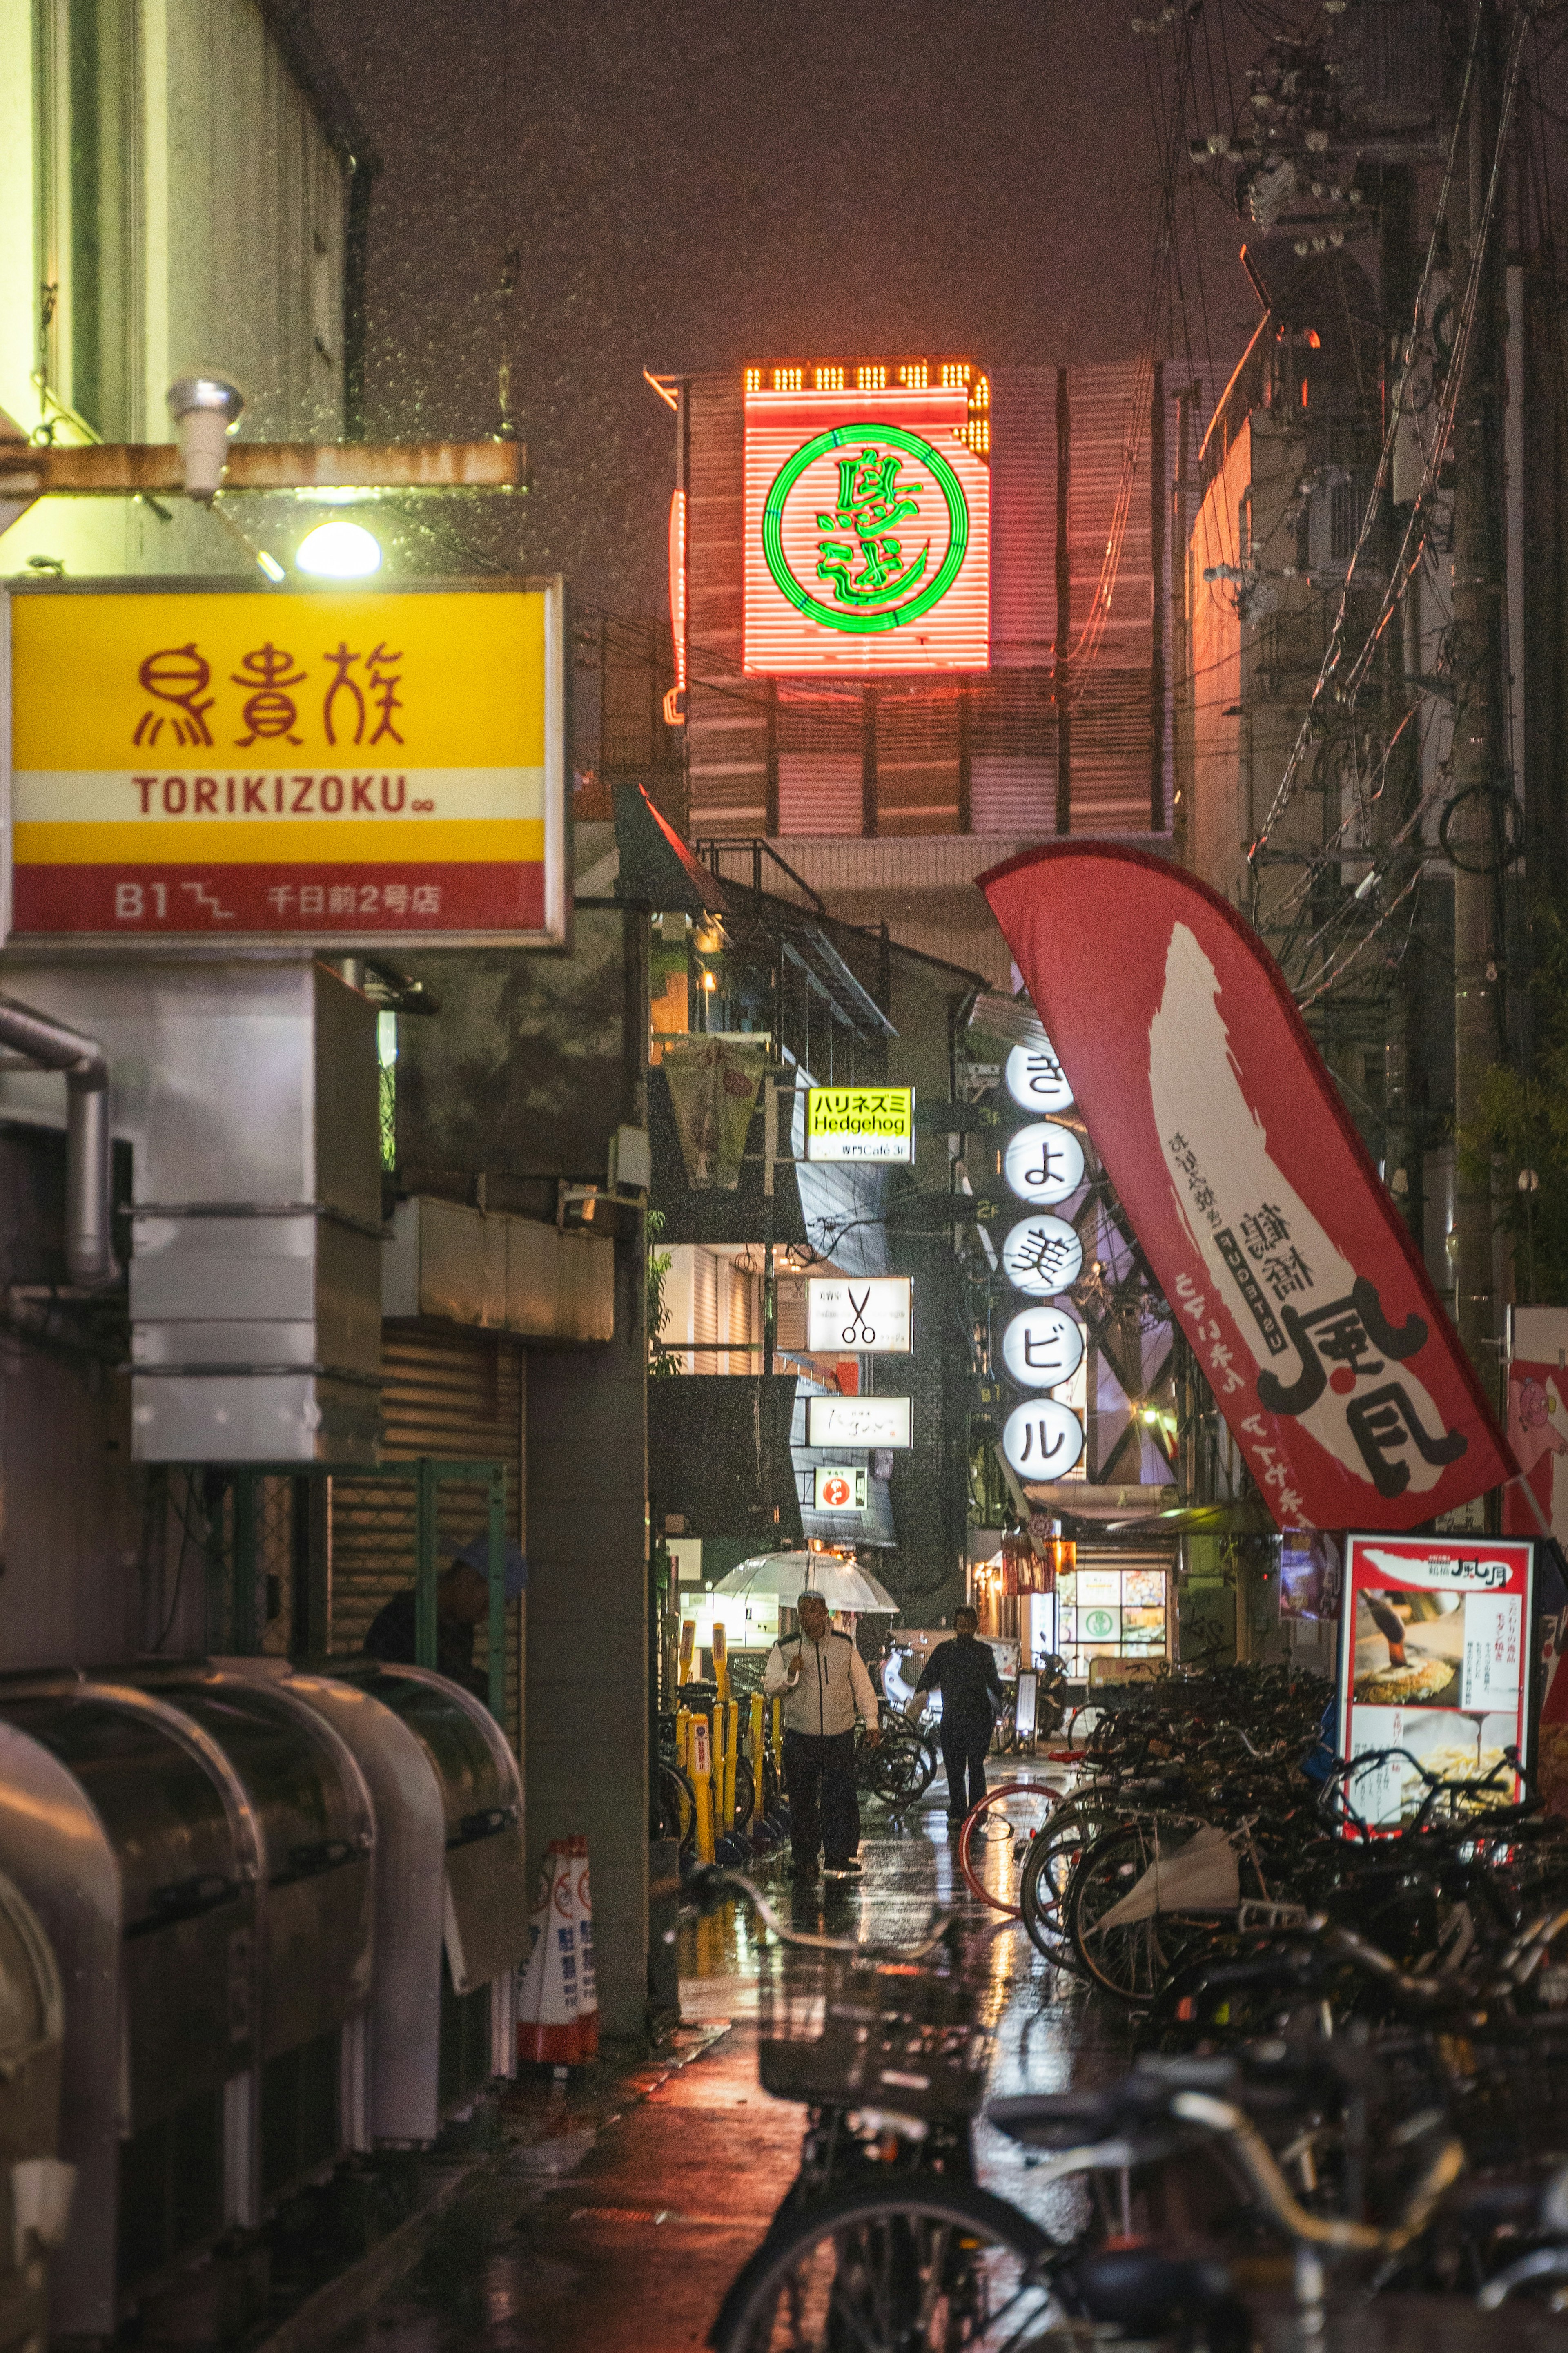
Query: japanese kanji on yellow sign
{"type": "Point", "coordinates": [860, 1123]}
{"type": "Point", "coordinates": [234, 763]}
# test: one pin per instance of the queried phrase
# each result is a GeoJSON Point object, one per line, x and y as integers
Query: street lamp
{"type": "Point", "coordinates": [338, 551]}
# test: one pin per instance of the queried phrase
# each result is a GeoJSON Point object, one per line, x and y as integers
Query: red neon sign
{"type": "Point", "coordinates": [868, 533]}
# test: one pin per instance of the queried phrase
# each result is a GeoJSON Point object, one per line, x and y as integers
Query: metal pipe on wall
{"type": "Point", "coordinates": [91, 1263]}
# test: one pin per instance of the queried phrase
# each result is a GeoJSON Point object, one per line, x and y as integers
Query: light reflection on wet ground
{"type": "Point", "coordinates": [1049, 2034]}
{"type": "Point", "coordinates": [618, 2217]}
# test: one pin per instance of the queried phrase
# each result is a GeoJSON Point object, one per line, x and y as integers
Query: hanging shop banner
{"type": "Point", "coordinates": [713, 1084]}
{"type": "Point", "coordinates": [867, 523]}
{"type": "Point", "coordinates": [840, 1488]}
{"type": "Point", "coordinates": [1538, 1422]}
{"type": "Point", "coordinates": [1289, 1269]}
{"type": "Point", "coordinates": [872, 1315]}
{"type": "Point", "coordinates": [858, 1422]}
{"type": "Point", "coordinates": [1311, 1575]}
{"type": "Point", "coordinates": [230, 766]}
{"type": "Point", "coordinates": [1435, 1659]}
{"type": "Point", "coordinates": [859, 1123]}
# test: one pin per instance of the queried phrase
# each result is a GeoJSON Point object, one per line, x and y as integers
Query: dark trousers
{"type": "Point", "coordinates": [964, 1741]}
{"type": "Point", "coordinates": [819, 1774]}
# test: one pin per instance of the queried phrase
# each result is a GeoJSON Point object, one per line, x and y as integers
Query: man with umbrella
{"type": "Point", "coordinates": [823, 1682]}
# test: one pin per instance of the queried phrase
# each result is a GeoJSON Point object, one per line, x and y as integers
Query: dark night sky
{"type": "Point", "coordinates": [702, 182]}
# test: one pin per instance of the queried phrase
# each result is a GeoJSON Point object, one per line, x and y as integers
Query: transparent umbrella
{"type": "Point", "coordinates": [843, 1584]}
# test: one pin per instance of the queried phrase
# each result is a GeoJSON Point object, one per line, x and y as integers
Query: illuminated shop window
{"type": "Point", "coordinates": [1116, 1613]}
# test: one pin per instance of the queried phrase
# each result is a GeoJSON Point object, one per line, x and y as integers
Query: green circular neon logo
{"type": "Point", "coordinates": [870, 543]}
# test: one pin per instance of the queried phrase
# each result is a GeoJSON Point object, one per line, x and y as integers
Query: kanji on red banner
{"type": "Point", "coordinates": [1265, 1222]}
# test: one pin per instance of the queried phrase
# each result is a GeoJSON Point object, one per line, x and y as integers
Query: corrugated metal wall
{"type": "Point", "coordinates": [253, 202]}
{"type": "Point", "coordinates": [458, 1395]}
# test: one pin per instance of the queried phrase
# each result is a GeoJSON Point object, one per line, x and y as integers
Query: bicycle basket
{"type": "Point", "coordinates": [835, 2032]}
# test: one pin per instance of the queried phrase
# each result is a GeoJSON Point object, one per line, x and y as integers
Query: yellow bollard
{"type": "Point", "coordinates": [688, 1646]}
{"type": "Point", "coordinates": [778, 1734]}
{"type": "Point", "coordinates": [720, 1661]}
{"type": "Point", "coordinates": [683, 1736]}
{"type": "Point", "coordinates": [701, 1773]}
{"type": "Point", "coordinates": [757, 1711]}
{"type": "Point", "coordinates": [731, 1751]}
{"type": "Point", "coordinates": [715, 1722]}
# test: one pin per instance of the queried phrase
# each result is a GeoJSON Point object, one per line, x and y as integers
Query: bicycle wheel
{"type": "Point", "coordinates": [972, 1830]}
{"type": "Point", "coordinates": [930, 2270]}
{"type": "Point", "coordinates": [745, 1790]}
{"type": "Point", "coordinates": [1052, 1859]}
{"type": "Point", "coordinates": [1135, 1959]}
{"type": "Point", "coordinates": [676, 1804]}
{"type": "Point", "coordinates": [895, 1771]}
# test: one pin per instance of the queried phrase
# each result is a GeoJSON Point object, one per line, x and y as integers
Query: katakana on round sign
{"type": "Point", "coordinates": [1042, 1348]}
{"type": "Point", "coordinates": [1036, 1079]}
{"type": "Point", "coordinates": [1042, 1255]}
{"type": "Point", "coordinates": [1042, 1440]}
{"type": "Point", "coordinates": [1043, 1163]}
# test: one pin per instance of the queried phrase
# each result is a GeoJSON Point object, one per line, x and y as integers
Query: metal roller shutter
{"type": "Point", "coordinates": [461, 1396]}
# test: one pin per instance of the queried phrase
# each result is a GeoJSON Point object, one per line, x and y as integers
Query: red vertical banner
{"type": "Point", "coordinates": [1265, 1222]}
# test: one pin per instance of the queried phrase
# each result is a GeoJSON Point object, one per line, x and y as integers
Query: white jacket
{"type": "Point", "coordinates": [834, 1687]}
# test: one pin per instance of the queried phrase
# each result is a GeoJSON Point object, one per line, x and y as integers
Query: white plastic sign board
{"type": "Point", "coordinates": [859, 1421]}
{"type": "Point", "coordinates": [872, 1315]}
{"type": "Point", "coordinates": [840, 1488]}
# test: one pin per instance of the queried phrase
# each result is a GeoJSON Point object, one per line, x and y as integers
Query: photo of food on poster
{"type": "Point", "coordinates": [1435, 1662]}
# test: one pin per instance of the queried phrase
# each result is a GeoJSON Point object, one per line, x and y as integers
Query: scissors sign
{"type": "Point", "coordinates": [857, 1324]}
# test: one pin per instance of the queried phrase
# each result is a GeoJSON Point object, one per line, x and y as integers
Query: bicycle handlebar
{"type": "Point", "coordinates": [1257, 2159]}
{"type": "Point", "coordinates": [708, 1885]}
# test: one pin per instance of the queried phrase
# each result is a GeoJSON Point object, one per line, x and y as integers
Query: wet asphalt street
{"type": "Point", "coordinates": [617, 2218]}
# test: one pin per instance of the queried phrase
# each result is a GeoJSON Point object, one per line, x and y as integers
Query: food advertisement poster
{"type": "Point", "coordinates": [1435, 1662]}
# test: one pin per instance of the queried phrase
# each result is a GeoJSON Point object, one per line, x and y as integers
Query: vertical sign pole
{"type": "Point", "coordinates": [496, 1564]}
{"type": "Point", "coordinates": [426, 1644]}
{"type": "Point", "coordinates": [770, 1294]}
{"type": "Point", "coordinates": [244, 1626]}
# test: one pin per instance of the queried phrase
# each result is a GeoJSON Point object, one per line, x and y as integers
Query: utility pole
{"type": "Point", "coordinates": [1475, 824]}
{"type": "Point", "coordinates": [1403, 1095]}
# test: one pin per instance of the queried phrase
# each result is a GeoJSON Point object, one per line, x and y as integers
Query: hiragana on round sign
{"type": "Point", "coordinates": [1042, 1440]}
{"type": "Point", "coordinates": [1042, 1255]}
{"type": "Point", "coordinates": [865, 528]}
{"type": "Point", "coordinates": [1043, 1163]}
{"type": "Point", "coordinates": [1036, 1079]}
{"type": "Point", "coordinates": [1042, 1348]}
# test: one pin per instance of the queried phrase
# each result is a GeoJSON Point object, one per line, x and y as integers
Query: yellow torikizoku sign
{"type": "Point", "coordinates": [354, 765]}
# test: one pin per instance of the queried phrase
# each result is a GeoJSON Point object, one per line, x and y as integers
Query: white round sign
{"type": "Point", "coordinates": [1036, 1079]}
{"type": "Point", "coordinates": [1042, 1348]}
{"type": "Point", "coordinates": [1042, 1440]}
{"type": "Point", "coordinates": [1043, 1163]}
{"type": "Point", "coordinates": [1042, 1255]}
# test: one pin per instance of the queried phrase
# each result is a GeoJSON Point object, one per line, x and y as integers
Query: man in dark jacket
{"type": "Point", "coordinates": [462, 1605]}
{"type": "Point", "coordinates": [964, 1672]}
